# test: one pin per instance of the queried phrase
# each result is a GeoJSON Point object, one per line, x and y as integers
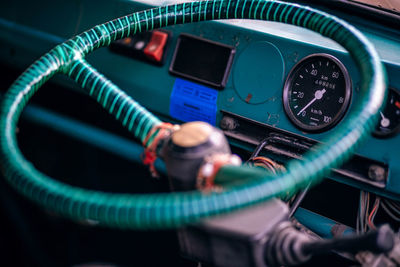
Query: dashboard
{"type": "Point", "coordinates": [251, 79]}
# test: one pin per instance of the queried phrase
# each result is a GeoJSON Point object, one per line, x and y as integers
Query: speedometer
{"type": "Point", "coordinates": [317, 93]}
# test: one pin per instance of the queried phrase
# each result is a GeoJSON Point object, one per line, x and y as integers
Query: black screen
{"type": "Point", "coordinates": [202, 60]}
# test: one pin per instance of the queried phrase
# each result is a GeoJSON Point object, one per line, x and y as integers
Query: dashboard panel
{"type": "Point", "coordinates": [252, 88]}
{"type": "Point", "coordinates": [265, 53]}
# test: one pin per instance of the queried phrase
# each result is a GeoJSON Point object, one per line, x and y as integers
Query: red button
{"type": "Point", "coordinates": [155, 48]}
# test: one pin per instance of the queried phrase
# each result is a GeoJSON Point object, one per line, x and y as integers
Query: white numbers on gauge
{"type": "Point", "coordinates": [314, 72]}
{"type": "Point", "coordinates": [335, 74]}
{"type": "Point", "coordinates": [327, 119]}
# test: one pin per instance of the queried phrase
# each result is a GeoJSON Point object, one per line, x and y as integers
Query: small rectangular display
{"type": "Point", "coordinates": [202, 60]}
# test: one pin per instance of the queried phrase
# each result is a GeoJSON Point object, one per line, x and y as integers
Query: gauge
{"type": "Point", "coordinates": [317, 93]}
{"type": "Point", "coordinates": [389, 122]}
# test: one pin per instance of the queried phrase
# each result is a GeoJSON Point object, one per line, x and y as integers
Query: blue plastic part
{"type": "Point", "coordinates": [193, 102]}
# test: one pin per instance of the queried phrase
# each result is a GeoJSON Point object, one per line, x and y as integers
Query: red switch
{"type": "Point", "coordinates": [155, 48]}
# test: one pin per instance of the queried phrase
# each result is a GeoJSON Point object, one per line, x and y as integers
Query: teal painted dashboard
{"type": "Point", "coordinates": [265, 54]}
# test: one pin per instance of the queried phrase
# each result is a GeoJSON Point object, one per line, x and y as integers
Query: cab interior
{"type": "Point", "coordinates": [274, 92]}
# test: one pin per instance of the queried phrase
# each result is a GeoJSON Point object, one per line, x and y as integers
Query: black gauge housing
{"type": "Point", "coordinates": [317, 93]}
{"type": "Point", "coordinates": [389, 120]}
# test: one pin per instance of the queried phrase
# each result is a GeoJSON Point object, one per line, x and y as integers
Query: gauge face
{"type": "Point", "coordinates": [389, 121]}
{"type": "Point", "coordinates": [317, 93]}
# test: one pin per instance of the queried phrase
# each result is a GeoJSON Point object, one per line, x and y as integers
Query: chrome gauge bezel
{"type": "Point", "coordinates": [396, 130]}
{"type": "Point", "coordinates": [287, 90]}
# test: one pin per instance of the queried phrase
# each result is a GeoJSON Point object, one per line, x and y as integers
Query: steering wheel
{"type": "Point", "coordinates": [175, 209]}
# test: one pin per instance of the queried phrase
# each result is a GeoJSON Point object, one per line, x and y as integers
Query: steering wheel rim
{"type": "Point", "coordinates": [175, 209]}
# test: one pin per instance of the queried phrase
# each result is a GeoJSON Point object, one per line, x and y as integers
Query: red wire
{"type": "Point", "coordinates": [371, 214]}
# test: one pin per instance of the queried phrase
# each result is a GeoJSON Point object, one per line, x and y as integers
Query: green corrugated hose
{"type": "Point", "coordinates": [176, 209]}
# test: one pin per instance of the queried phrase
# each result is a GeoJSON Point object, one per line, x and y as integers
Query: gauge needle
{"type": "Point", "coordinates": [385, 122]}
{"type": "Point", "coordinates": [318, 95]}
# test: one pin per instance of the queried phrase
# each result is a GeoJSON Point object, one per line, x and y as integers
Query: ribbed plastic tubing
{"type": "Point", "coordinates": [167, 210]}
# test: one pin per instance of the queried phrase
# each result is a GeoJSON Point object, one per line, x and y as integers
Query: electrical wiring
{"type": "Point", "coordinates": [365, 217]}
{"type": "Point", "coordinates": [396, 204]}
{"type": "Point", "coordinates": [392, 209]}
{"type": "Point", "coordinates": [365, 221]}
{"type": "Point", "coordinates": [267, 163]}
{"type": "Point", "coordinates": [388, 212]}
{"type": "Point", "coordinates": [393, 205]}
{"type": "Point", "coordinates": [265, 166]}
{"type": "Point", "coordinates": [373, 213]}
{"type": "Point", "coordinates": [376, 211]}
{"type": "Point", "coordinates": [361, 213]}
{"type": "Point", "coordinates": [258, 149]}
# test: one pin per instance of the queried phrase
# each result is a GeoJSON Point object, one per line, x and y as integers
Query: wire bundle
{"type": "Point", "coordinates": [365, 216]}
{"type": "Point", "coordinates": [392, 208]}
{"type": "Point", "coordinates": [267, 164]}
